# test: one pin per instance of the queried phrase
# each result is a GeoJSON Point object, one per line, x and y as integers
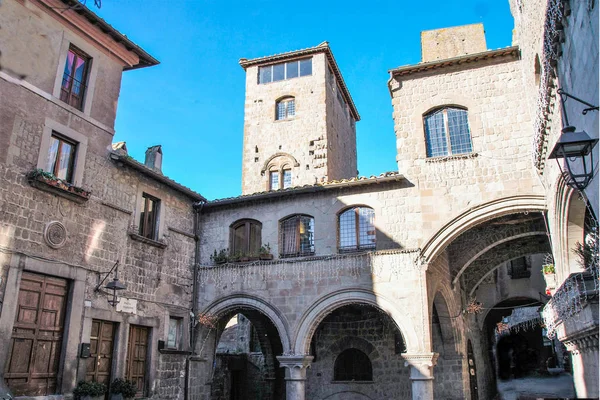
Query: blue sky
{"type": "Point", "coordinates": [193, 102]}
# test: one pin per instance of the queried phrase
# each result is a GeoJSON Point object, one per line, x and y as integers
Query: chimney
{"type": "Point", "coordinates": [154, 158]}
{"type": "Point", "coordinates": [440, 44]}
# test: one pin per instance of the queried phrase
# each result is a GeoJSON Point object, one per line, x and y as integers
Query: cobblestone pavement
{"type": "Point", "coordinates": [532, 388]}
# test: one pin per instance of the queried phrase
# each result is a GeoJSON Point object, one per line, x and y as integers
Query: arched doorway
{"type": "Point", "coordinates": [242, 343]}
{"type": "Point", "coordinates": [357, 352]}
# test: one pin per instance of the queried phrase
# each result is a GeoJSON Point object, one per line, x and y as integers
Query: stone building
{"type": "Point", "coordinates": [73, 206]}
{"type": "Point", "coordinates": [314, 283]}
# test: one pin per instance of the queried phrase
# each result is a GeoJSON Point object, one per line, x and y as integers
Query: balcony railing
{"type": "Point", "coordinates": [386, 265]}
{"type": "Point", "coordinates": [569, 299]}
{"type": "Point", "coordinates": [72, 91]}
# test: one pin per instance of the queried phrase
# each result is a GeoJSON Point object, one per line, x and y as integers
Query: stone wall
{"type": "Point", "coordinates": [158, 275]}
{"type": "Point", "coordinates": [440, 44]}
{"type": "Point", "coordinates": [370, 332]}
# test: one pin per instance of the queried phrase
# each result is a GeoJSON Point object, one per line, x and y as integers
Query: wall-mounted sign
{"type": "Point", "coordinates": [127, 305]}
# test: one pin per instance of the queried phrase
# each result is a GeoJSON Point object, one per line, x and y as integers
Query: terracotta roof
{"type": "Point", "coordinates": [464, 59]}
{"type": "Point", "coordinates": [122, 157]}
{"type": "Point", "coordinates": [321, 48]}
{"type": "Point", "coordinates": [317, 187]}
{"type": "Point", "coordinates": [146, 60]}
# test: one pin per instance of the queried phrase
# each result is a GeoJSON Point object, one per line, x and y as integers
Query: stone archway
{"type": "Point", "coordinates": [240, 369]}
{"type": "Point", "coordinates": [321, 308]}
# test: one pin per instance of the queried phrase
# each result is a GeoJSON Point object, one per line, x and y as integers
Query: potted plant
{"type": "Point", "coordinates": [122, 389]}
{"type": "Point", "coordinates": [548, 269]}
{"type": "Point", "coordinates": [237, 256]}
{"type": "Point", "coordinates": [549, 277]}
{"type": "Point", "coordinates": [47, 181]}
{"type": "Point", "coordinates": [220, 257]}
{"type": "Point", "coordinates": [265, 252]}
{"type": "Point", "coordinates": [89, 391]}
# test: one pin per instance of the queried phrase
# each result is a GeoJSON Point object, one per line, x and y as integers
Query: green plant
{"type": "Point", "coordinates": [548, 269]}
{"type": "Point", "coordinates": [220, 257]}
{"type": "Point", "coordinates": [265, 249]}
{"type": "Point", "coordinates": [92, 389]}
{"type": "Point", "coordinates": [123, 387]}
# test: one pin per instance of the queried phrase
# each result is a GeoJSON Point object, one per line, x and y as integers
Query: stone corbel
{"type": "Point", "coordinates": [421, 365]}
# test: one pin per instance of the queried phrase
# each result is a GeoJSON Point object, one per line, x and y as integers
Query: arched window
{"type": "Point", "coordinates": [245, 237]}
{"type": "Point", "coordinates": [297, 236]}
{"type": "Point", "coordinates": [286, 108]}
{"type": "Point", "coordinates": [357, 229]}
{"type": "Point", "coordinates": [447, 132]}
{"type": "Point", "coordinates": [352, 365]}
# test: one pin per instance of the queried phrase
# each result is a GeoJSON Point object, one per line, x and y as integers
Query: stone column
{"type": "Point", "coordinates": [295, 375]}
{"type": "Point", "coordinates": [421, 374]}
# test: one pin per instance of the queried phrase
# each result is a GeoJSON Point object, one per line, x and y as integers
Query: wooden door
{"type": "Point", "coordinates": [35, 347]}
{"type": "Point", "coordinates": [137, 353]}
{"type": "Point", "coordinates": [99, 365]}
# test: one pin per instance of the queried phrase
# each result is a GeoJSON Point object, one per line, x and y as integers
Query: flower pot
{"type": "Point", "coordinates": [550, 281]}
{"type": "Point", "coordinates": [266, 256]}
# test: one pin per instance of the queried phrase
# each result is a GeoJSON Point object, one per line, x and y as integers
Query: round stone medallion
{"type": "Point", "coordinates": [55, 234]}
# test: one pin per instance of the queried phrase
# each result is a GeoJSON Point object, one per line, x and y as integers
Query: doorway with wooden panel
{"type": "Point", "coordinates": [99, 364]}
{"type": "Point", "coordinates": [35, 348]}
{"type": "Point", "coordinates": [137, 357]}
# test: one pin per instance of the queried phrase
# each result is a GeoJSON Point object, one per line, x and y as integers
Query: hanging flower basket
{"type": "Point", "coordinates": [47, 182]}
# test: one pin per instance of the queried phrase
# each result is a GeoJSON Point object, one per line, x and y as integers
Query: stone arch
{"type": "Point", "coordinates": [492, 240]}
{"type": "Point", "coordinates": [477, 215]}
{"type": "Point", "coordinates": [446, 324]}
{"type": "Point", "coordinates": [286, 158]}
{"type": "Point", "coordinates": [486, 265]}
{"type": "Point", "coordinates": [353, 342]}
{"type": "Point", "coordinates": [311, 319]}
{"type": "Point", "coordinates": [234, 302]}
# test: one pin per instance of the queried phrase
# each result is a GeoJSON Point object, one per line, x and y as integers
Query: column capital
{"type": "Point", "coordinates": [295, 366]}
{"type": "Point", "coordinates": [421, 365]}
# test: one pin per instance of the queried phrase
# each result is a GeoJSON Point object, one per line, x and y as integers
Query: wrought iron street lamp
{"type": "Point", "coordinates": [113, 285]}
{"type": "Point", "coordinates": [575, 148]}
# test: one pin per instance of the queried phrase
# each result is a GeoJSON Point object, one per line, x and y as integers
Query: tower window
{"type": "Point", "coordinates": [285, 71]}
{"type": "Point", "coordinates": [286, 108]}
{"type": "Point", "coordinates": [447, 132]}
{"type": "Point", "coordinates": [352, 365]}
{"type": "Point", "coordinates": [280, 179]}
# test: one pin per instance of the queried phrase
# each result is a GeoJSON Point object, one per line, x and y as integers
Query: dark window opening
{"type": "Point", "coordinates": [149, 216]}
{"type": "Point", "coordinates": [519, 268]}
{"type": "Point", "coordinates": [353, 365]}
{"type": "Point", "coordinates": [245, 237]}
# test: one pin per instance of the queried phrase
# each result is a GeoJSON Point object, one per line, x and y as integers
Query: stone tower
{"type": "Point", "coordinates": [299, 121]}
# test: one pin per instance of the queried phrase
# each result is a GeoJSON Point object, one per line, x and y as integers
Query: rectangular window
{"type": "Point", "coordinates": [273, 180]}
{"type": "Point", "coordinates": [74, 80]}
{"type": "Point", "coordinates": [149, 216]}
{"type": "Point", "coordinates": [174, 335]}
{"type": "Point", "coordinates": [287, 178]}
{"type": "Point", "coordinates": [284, 71]}
{"type": "Point", "coordinates": [61, 158]}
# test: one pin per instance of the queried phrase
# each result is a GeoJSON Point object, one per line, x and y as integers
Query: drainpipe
{"type": "Point", "coordinates": [197, 211]}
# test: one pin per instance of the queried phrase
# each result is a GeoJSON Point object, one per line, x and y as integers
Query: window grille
{"type": "Point", "coordinates": [352, 365]}
{"type": "Point", "coordinates": [357, 229]}
{"type": "Point", "coordinates": [296, 236]}
{"type": "Point", "coordinates": [447, 132]}
{"type": "Point", "coordinates": [287, 178]}
{"type": "Point", "coordinates": [74, 79]}
{"type": "Point", "coordinates": [274, 180]}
